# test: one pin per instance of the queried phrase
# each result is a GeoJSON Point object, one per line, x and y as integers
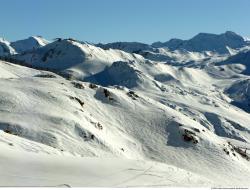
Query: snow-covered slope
{"type": "Point", "coordinates": [39, 169]}
{"type": "Point", "coordinates": [176, 116]}
{"type": "Point", "coordinates": [121, 119]}
{"type": "Point", "coordinates": [30, 43]}
{"type": "Point", "coordinates": [240, 94]}
{"type": "Point", "coordinates": [238, 63]}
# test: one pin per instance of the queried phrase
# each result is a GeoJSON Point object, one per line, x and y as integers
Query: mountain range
{"type": "Point", "coordinates": [125, 114]}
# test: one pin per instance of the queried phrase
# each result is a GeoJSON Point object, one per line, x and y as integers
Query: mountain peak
{"type": "Point", "coordinates": [30, 43]}
{"type": "Point", "coordinates": [231, 33]}
{"type": "Point", "coordinates": [5, 48]}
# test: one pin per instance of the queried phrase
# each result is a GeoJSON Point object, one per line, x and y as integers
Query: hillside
{"type": "Point", "coordinates": [153, 133]}
{"type": "Point", "coordinates": [239, 62]}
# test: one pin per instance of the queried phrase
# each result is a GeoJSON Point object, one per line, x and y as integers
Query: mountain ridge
{"type": "Point", "coordinates": [201, 42]}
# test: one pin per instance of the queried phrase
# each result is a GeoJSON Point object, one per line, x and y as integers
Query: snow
{"type": "Point", "coordinates": [247, 39]}
{"type": "Point", "coordinates": [145, 123]}
{"type": "Point", "coordinates": [206, 42]}
{"type": "Point", "coordinates": [43, 169]}
{"type": "Point", "coordinates": [238, 62]}
{"type": "Point", "coordinates": [77, 59]}
{"type": "Point", "coordinates": [5, 48]}
{"type": "Point", "coordinates": [21, 46]}
{"type": "Point", "coordinates": [30, 43]}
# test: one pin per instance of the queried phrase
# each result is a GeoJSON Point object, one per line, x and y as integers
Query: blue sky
{"type": "Point", "coordinates": [122, 20]}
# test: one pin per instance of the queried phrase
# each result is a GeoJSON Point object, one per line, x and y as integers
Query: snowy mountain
{"type": "Point", "coordinates": [21, 46]}
{"type": "Point", "coordinates": [106, 117]}
{"type": "Point", "coordinates": [30, 43]}
{"type": "Point", "coordinates": [239, 62]}
{"type": "Point", "coordinates": [199, 48]}
{"type": "Point", "coordinates": [74, 58]}
{"type": "Point", "coordinates": [206, 42]}
{"type": "Point", "coordinates": [5, 48]}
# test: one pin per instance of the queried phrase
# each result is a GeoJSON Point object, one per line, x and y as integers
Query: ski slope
{"type": "Point", "coordinates": [38, 168]}
{"type": "Point", "coordinates": [44, 119]}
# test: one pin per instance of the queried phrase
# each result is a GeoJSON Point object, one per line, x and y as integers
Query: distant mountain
{"type": "Point", "coordinates": [218, 43]}
{"type": "Point", "coordinates": [5, 48]}
{"type": "Point", "coordinates": [30, 43]}
{"type": "Point", "coordinates": [154, 53]}
{"type": "Point", "coordinates": [130, 47]}
{"type": "Point", "coordinates": [201, 46]}
{"type": "Point", "coordinates": [171, 44]}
